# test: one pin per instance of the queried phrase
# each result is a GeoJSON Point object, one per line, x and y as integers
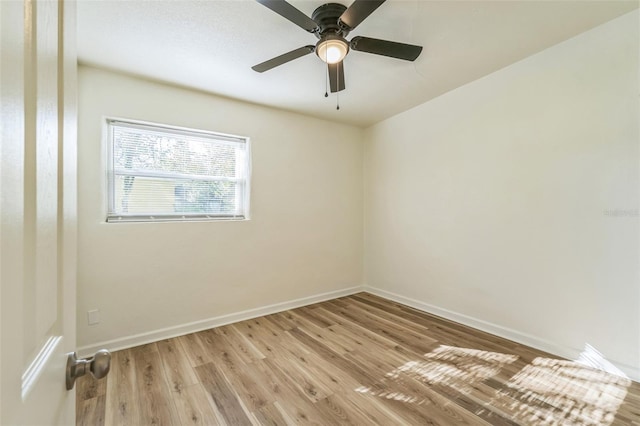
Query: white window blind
{"type": "Point", "coordinates": [159, 172]}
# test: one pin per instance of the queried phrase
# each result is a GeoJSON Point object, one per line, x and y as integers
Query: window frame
{"type": "Point", "coordinates": [243, 190]}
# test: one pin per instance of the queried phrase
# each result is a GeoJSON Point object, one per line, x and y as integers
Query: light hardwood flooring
{"type": "Point", "coordinates": [359, 360]}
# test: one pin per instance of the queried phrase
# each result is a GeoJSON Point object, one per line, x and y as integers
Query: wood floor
{"type": "Point", "coordinates": [358, 360]}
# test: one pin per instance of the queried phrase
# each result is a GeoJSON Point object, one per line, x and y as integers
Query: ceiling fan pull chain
{"type": "Point", "coordinates": [326, 80]}
{"type": "Point", "coordinates": [338, 83]}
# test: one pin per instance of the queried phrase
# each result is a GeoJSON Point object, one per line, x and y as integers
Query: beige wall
{"type": "Point", "coordinates": [496, 203]}
{"type": "Point", "coordinates": [304, 237]}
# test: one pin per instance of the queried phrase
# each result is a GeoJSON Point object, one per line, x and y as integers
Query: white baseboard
{"type": "Point", "coordinates": [192, 327]}
{"type": "Point", "coordinates": [498, 330]}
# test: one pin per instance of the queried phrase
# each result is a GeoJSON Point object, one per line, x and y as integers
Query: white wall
{"type": "Point", "coordinates": [304, 237]}
{"type": "Point", "coordinates": [494, 201]}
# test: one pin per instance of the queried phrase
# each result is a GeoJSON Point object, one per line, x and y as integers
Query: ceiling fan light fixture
{"type": "Point", "coordinates": [332, 49]}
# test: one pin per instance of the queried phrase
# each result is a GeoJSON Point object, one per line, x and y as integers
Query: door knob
{"type": "Point", "coordinates": [98, 365]}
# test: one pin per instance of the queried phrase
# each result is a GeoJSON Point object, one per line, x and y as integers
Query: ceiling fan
{"type": "Point", "coordinates": [331, 23]}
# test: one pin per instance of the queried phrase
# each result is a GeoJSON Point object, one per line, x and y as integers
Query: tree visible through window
{"type": "Point", "coordinates": [164, 173]}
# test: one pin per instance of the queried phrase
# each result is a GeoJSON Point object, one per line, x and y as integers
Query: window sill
{"type": "Point", "coordinates": [176, 218]}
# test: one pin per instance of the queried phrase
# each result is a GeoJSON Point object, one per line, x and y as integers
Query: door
{"type": "Point", "coordinates": [37, 210]}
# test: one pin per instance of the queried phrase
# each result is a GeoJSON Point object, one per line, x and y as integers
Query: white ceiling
{"type": "Point", "coordinates": [211, 46]}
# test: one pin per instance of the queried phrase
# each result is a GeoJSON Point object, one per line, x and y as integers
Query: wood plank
{"type": "Point", "coordinates": [328, 337]}
{"type": "Point", "coordinates": [289, 368]}
{"type": "Point", "coordinates": [315, 316]}
{"type": "Point", "coordinates": [281, 320]}
{"type": "Point", "coordinates": [242, 346]}
{"type": "Point", "coordinates": [316, 368]}
{"type": "Point", "coordinates": [263, 334]}
{"type": "Point", "coordinates": [88, 387]}
{"type": "Point", "coordinates": [359, 335]}
{"type": "Point", "coordinates": [123, 395]}
{"type": "Point", "coordinates": [175, 363]}
{"type": "Point", "coordinates": [361, 375]}
{"type": "Point", "coordinates": [374, 408]}
{"type": "Point", "coordinates": [193, 347]}
{"type": "Point", "coordinates": [91, 411]}
{"type": "Point", "coordinates": [222, 393]}
{"type": "Point", "coordinates": [156, 402]}
{"type": "Point", "coordinates": [341, 411]}
{"type": "Point", "coordinates": [250, 389]}
{"type": "Point", "coordinates": [194, 408]}
{"type": "Point", "coordinates": [384, 314]}
{"type": "Point", "coordinates": [273, 415]}
{"type": "Point", "coordinates": [219, 349]}
{"type": "Point", "coordinates": [293, 400]}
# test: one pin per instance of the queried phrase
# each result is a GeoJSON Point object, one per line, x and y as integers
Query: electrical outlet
{"type": "Point", "coordinates": [93, 317]}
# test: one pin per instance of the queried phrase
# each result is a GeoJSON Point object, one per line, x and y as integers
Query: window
{"type": "Point", "coordinates": [162, 173]}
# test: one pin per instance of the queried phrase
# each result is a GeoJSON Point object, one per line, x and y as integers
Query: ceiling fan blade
{"type": "Point", "coordinates": [283, 59]}
{"type": "Point", "coordinates": [336, 76]}
{"type": "Point", "coordinates": [287, 11]}
{"type": "Point", "coordinates": [408, 52]}
{"type": "Point", "coordinates": [358, 12]}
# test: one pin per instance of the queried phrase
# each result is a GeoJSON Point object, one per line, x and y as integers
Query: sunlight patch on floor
{"type": "Point", "coordinates": [455, 367]}
{"type": "Point", "coordinates": [558, 392]}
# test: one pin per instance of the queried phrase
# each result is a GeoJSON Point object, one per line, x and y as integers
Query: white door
{"type": "Point", "coordinates": [37, 210]}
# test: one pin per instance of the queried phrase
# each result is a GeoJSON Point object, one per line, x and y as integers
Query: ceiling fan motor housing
{"type": "Point", "coordinates": [327, 17]}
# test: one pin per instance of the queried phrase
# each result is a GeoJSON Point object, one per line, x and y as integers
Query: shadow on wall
{"type": "Point", "coordinates": [586, 392]}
